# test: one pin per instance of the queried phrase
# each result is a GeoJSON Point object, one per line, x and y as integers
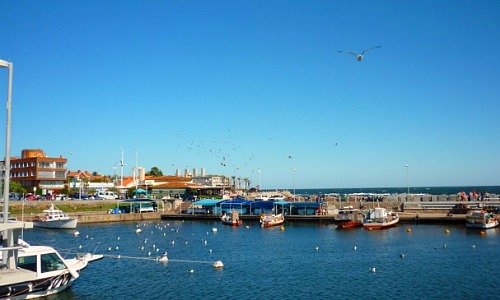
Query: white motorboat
{"type": "Point", "coordinates": [380, 218]}
{"type": "Point", "coordinates": [55, 219]}
{"type": "Point", "coordinates": [481, 219]}
{"type": "Point", "coordinates": [270, 220]}
{"type": "Point", "coordinates": [39, 270]}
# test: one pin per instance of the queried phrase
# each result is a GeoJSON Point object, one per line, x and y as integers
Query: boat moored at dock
{"type": "Point", "coordinates": [349, 217]}
{"type": "Point", "coordinates": [380, 218]}
{"type": "Point", "coordinates": [481, 219]}
{"type": "Point", "coordinates": [55, 219]}
{"type": "Point", "coordinates": [231, 219]}
{"type": "Point", "coordinates": [270, 220]}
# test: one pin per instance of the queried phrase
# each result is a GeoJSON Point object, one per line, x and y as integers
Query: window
{"type": "Point", "coordinates": [27, 263]}
{"type": "Point", "coordinates": [51, 262]}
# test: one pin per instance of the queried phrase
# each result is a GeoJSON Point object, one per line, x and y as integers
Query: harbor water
{"type": "Point", "coordinates": [315, 261]}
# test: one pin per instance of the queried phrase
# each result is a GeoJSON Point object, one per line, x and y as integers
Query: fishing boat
{"type": "Point", "coordinates": [269, 220]}
{"type": "Point", "coordinates": [55, 219]}
{"type": "Point", "coordinates": [481, 219]}
{"type": "Point", "coordinates": [349, 217]}
{"type": "Point", "coordinates": [380, 218]}
{"type": "Point", "coordinates": [231, 219]}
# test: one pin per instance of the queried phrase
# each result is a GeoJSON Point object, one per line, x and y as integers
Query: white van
{"type": "Point", "coordinates": [107, 195]}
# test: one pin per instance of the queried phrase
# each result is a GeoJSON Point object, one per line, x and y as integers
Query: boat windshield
{"type": "Point", "coordinates": [51, 262]}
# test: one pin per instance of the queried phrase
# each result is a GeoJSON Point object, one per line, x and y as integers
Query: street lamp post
{"type": "Point", "coordinates": [10, 66]}
{"type": "Point", "coordinates": [293, 182]}
{"type": "Point", "coordinates": [407, 180]}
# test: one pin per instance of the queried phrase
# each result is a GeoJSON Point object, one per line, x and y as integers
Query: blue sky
{"type": "Point", "coordinates": [241, 86]}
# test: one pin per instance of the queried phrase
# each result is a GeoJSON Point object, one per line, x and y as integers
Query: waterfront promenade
{"type": "Point", "coordinates": [409, 212]}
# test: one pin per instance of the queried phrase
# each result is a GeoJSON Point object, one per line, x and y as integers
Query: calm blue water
{"type": "Point", "coordinates": [270, 263]}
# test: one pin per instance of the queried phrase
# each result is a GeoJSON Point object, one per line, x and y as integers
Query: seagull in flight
{"type": "Point", "coordinates": [359, 57]}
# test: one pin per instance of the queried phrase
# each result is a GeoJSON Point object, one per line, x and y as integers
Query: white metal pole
{"type": "Point", "coordinates": [9, 66]}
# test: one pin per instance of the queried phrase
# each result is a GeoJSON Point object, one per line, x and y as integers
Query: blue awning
{"type": "Point", "coordinates": [208, 202]}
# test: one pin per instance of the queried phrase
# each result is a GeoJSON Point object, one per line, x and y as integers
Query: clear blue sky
{"type": "Point", "coordinates": [238, 86]}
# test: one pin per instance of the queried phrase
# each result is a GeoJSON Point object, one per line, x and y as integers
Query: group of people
{"type": "Point", "coordinates": [473, 196]}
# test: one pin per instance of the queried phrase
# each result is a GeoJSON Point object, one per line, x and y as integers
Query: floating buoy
{"type": "Point", "coordinates": [409, 230]}
{"type": "Point", "coordinates": [402, 255]}
{"type": "Point", "coordinates": [191, 271]}
{"type": "Point", "coordinates": [444, 246]}
{"type": "Point", "coordinates": [76, 233]}
{"type": "Point", "coordinates": [354, 248]}
{"type": "Point", "coordinates": [247, 227]}
{"type": "Point", "coordinates": [138, 230]}
{"type": "Point", "coordinates": [482, 233]}
{"type": "Point", "coordinates": [218, 264]}
{"type": "Point", "coordinates": [214, 229]}
{"type": "Point", "coordinates": [447, 231]}
{"type": "Point", "coordinates": [282, 228]}
{"type": "Point", "coordinates": [317, 248]}
{"type": "Point", "coordinates": [373, 270]}
{"type": "Point", "coordinates": [163, 258]}
{"type": "Point", "coordinates": [473, 246]}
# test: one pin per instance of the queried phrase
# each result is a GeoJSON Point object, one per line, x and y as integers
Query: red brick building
{"type": "Point", "coordinates": [35, 170]}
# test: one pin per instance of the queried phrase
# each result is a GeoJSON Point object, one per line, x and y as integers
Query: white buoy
{"type": "Point", "coordinates": [317, 248]}
{"type": "Point", "coordinates": [163, 258]}
{"type": "Point", "coordinates": [76, 233]}
{"type": "Point", "coordinates": [109, 248]}
{"type": "Point", "coordinates": [373, 270]}
{"type": "Point", "coordinates": [214, 229]}
{"type": "Point", "coordinates": [191, 271]}
{"type": "Point", "coordinates": [354, 248]}
{"type": "Point", "coordinates": [218, 264]}
{"type": "Point", "coordinates": [210, 251]}
{"type": "Point", "coordinates": [80, 247]}
{"type": "Point", "coordinates": [138, 230]}
{"type": "Point", "coordinates": [402, 255]}
{"type": "Point", "coordinates": [118, 238]}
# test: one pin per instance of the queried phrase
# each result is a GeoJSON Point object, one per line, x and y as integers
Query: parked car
{"type": "Point", "coordinates": [77, 196]}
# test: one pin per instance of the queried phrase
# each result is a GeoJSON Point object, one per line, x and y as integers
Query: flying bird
{"type": "Point", "coordinates": [359, 57]}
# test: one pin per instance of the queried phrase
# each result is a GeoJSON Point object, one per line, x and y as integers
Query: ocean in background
{"type": "Point", "coordinates": [304, 261]}
{"type": "Point", "coordinates": [440, 190]}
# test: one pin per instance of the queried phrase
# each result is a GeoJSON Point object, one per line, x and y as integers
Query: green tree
{"type": "Point", "coordinates": [155, 172]}
{"type": "Point", "coordinates": [16, 187]}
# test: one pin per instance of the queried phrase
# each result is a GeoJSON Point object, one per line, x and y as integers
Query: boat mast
{"type": "Point", "coordinates": [121, 164]}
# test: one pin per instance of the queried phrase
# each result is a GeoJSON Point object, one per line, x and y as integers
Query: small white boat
{"type": "Point", "coordinates": [380, 218]}
{"type": "Point", "coordinates": [481, 219]}
{"type": "Point", "coordinates": [231, 219]}
{"type": "Point", "coordinates": [270, 220]}
{"type": "Point", "coordinates": [55, 219]}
